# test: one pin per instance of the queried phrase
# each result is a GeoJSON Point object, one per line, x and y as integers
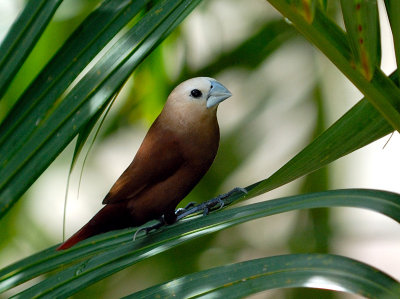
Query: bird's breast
{"type": "Point", "coordinates": [200, 148]}
{"type": "Point", "coordinates": [194, 135]}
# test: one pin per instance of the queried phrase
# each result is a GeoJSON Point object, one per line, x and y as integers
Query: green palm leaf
{"type": "Point", "coordinates": [325, 271]}
{"type": "Point", "coordinates": [327, 36]}
{"type": "Point", "coordinates": [53, 122]}
{"type": "Point", "coordinates": [74, 88]}
{"type": "Point", "coordinates": [393, 10]}
{"type": "Point", "coordinates": [115, 251]}
{"type": "Point", "coordinates": [22, 37]}
{"type": "Point", "coordinates": [361, 125]}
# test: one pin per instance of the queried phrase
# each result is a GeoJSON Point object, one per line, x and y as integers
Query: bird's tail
{"type": "Point", "coordinates": [110, 217]}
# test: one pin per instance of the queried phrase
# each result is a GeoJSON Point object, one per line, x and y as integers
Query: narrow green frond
{"type": "Point", "coordinates": [323, 271]}
{"type": "Point", "coordinates": [393, 11]}
{"type": "Point", "coordinates": [328, 37]}
{"type": "Point", "coordinates": [360, 126]}
{"type": "Point", "coordinates": [108, 253]}
{"type": "Point", "coordinates": [53, 123]}
{"type": "Point", "coordinates": [22, 37]}
{"type": "Point", "coordinates": [363, 32]}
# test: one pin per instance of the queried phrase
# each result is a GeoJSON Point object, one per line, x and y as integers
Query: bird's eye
{"type": "Point", "coordinates": [196, 93]}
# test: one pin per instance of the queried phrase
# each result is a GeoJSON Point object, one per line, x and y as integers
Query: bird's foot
{"type": "Point", "coordinates": [208, 205]}
{"type": "Point", "coordinates": [147, 229]}
{"type": "Point", "coordinates": [184, 209]}
{"type": "Point", "coordinates": [192, 208]}
{"type": "Point", "coordinates": [234, 190]}
{"type": "Point", "coordinates": [162, 221]}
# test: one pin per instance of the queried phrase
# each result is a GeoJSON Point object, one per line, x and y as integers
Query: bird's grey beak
{"type": "Point", "coordinates": [217, 94]}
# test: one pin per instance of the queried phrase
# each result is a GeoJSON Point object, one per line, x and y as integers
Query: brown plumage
{"type": "Point", "coordinates": [177, 151]}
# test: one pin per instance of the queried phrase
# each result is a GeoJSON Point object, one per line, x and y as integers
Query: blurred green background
{"type": "Point", "coordinates": [285, 94]}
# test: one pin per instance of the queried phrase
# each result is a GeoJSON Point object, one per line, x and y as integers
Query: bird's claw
{"type": "Point", "coordinates": [234, 190]}
{"type": "Point", "coordinates": [148, 229]}
{"type": "Point", "coordinates": [190, 205]}
{"type": "Point", "coordinates": [192, 208]}
{"type": "Point", "coordinates": [184, 209]}
{"type": "Point", "coordinates": [205, 207]}
{"type": "Point", "coordinates": [208, 205]}
{"type": "Point", "coordinates": [220, 198]}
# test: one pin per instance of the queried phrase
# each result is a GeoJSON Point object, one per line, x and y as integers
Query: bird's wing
{"type": "Point", "coordinates": [158, 158]}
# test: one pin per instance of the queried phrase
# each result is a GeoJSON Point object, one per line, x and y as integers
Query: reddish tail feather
{"type": "Point", "coordinates": [110, 217]}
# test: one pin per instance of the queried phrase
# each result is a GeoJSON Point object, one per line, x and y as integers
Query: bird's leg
{"type": "Point", "coordinates": [147, 229]}
{"type": "Point", "coordinates": [236, 189]}
{"type": "Point", "coordinates": [220, 199]}
{"type": "Point", "coordinates": [227, 194]}
{"type": "Point", "coordinates": [190, 209]}
{"type": "Point", "coordinates": [162, 220]}
{"type": "Point", "coordinates": [208, 205]}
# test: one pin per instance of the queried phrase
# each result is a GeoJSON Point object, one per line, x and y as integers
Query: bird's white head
{"type": "Point", "coordinates": [203, 91]}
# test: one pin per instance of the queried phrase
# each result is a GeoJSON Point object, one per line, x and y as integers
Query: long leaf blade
{"type": "Point", "coordinates": [393, 10]}
{"type": "Point", "coordinates": [360, 126]}
{"type": "Point", "coordinates": [22, 37]}
{"type": "Point", "coordinates": [91, 94]}
{"type": "Point", "coordinates": [327, 36]}
{"type": "Point", "coordinates": [324, 271]}
{"type": "Point", "coordinates": [115, 250]}
{"type": "Point", "coordinates": [77, 52]}
{"type": "Point", "coordinates": [362, 25]}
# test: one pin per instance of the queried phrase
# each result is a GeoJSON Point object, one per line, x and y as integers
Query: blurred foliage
{"type": "Point", "coordinates": [312, 231]}
{"type": "Point", "coordinates": [138, 105]}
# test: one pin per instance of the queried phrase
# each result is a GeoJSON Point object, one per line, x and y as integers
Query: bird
{"type": "Point", "coordinates": [175, 154]}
